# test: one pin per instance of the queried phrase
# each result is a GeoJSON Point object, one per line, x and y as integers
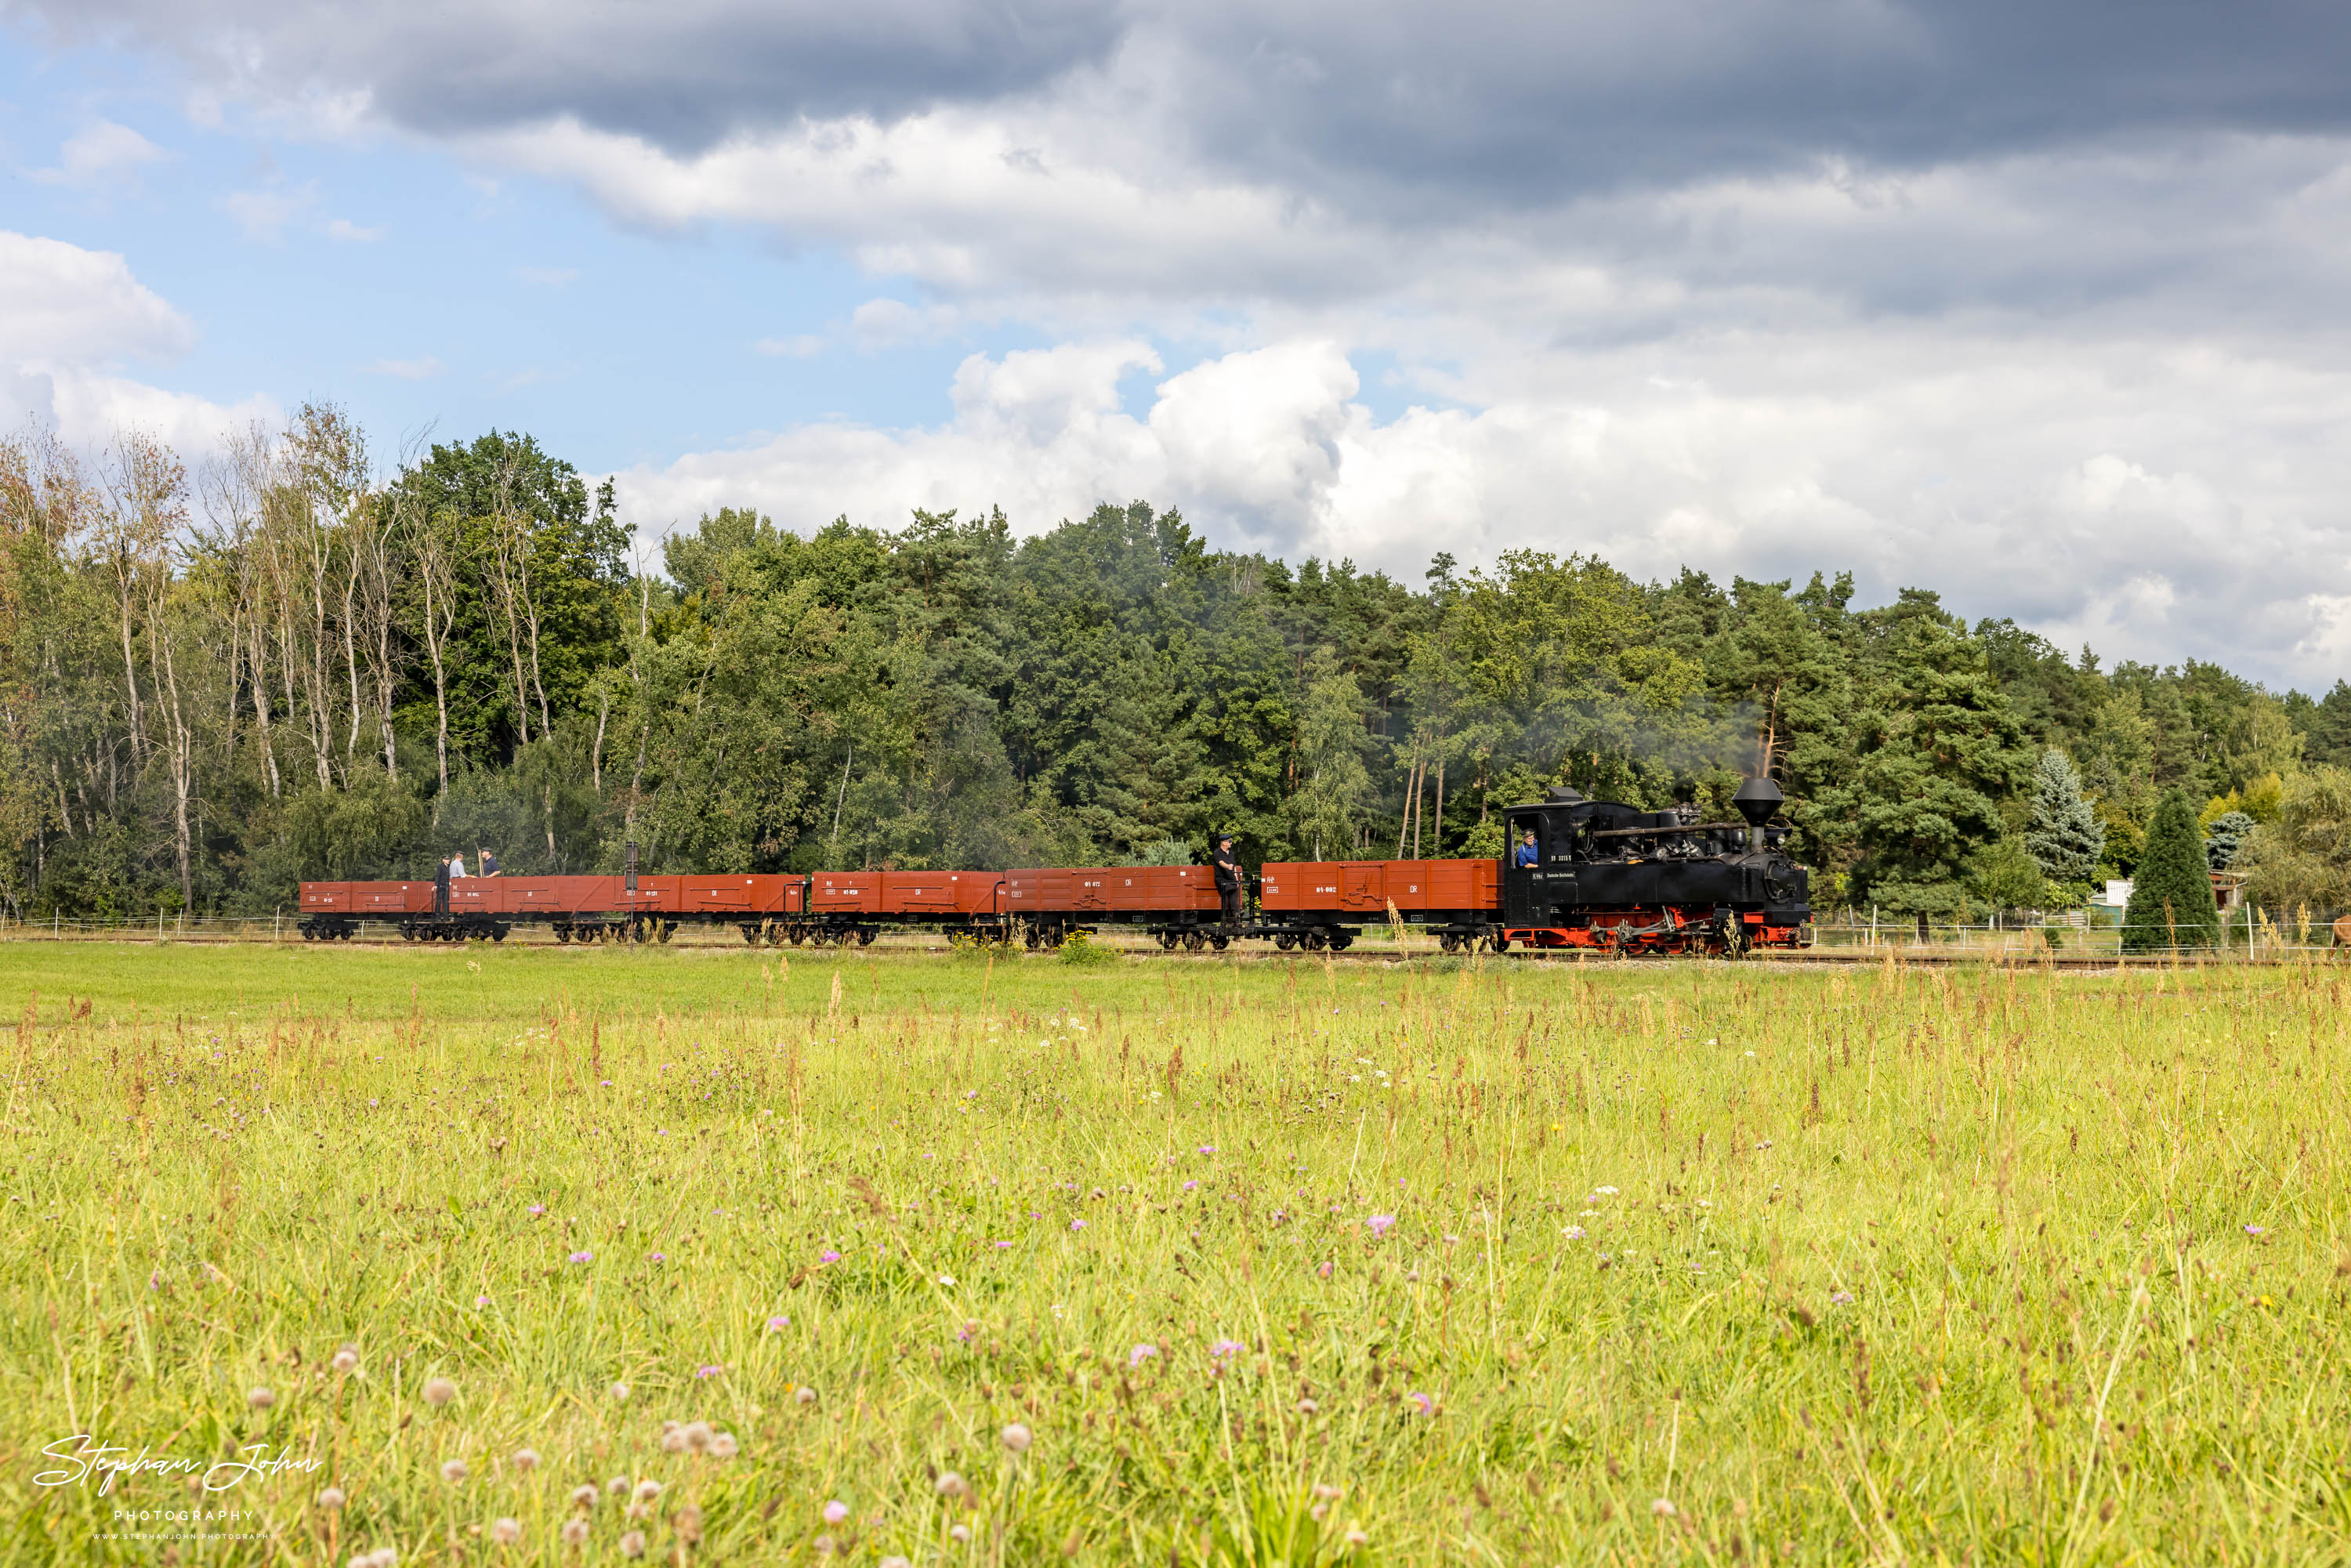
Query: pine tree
{"type": "Point", "coordinates": [2171, 896]}
{"type": "Point", "coordinates": [2224, 839]}
{"type": "Point", "coordinates": [2064, 836]}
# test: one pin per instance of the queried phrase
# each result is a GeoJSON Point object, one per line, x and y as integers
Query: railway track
{"type": "Point", "coordinates": [1365, 953]}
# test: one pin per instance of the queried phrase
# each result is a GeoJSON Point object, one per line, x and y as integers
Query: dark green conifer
{"type": "Point", "coordinates": [2171, 896]}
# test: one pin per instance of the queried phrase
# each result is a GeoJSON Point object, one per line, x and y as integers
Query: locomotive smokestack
{"type": "Point", "coordinates": [1758, 801]}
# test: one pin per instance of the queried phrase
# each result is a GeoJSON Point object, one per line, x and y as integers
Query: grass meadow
{"type": "Point", "coordinates": [1268, 1261]}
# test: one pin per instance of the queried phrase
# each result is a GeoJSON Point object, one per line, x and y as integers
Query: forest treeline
{"type": "Point", "coordinates": [289, 663]}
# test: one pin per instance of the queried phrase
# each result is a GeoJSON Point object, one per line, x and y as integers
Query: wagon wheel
{"type": "Point", "coordinates": [1194, 941]}
{"type": "Point", "coordinates": [1447, 943]}
{"type": "Point", "coordinates": [1284, 941]}
{"type": "Point", "coordinates": [668, 930]}
{"type": "Point", "coordinates": [1314, 939]}
{"type": "Point", "coordinates": [1219, 942]}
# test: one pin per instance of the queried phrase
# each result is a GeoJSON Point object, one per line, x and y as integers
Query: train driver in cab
{"type": "Point", "coordinates": [1528, 857]}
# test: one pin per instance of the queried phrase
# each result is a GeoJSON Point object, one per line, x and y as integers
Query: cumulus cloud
{"type": "Point", "coordinates": [73, 317]}
{"type": "Point", "coordinates": [102, 158]}
{"type": "Point", "coordinates": [2145, 531]}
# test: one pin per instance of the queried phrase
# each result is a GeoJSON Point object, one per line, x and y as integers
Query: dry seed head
{"type": "Point", "coordinates": [648, 1490]}
{"type": "Point", "coordinates": [1016, 1438]}
{"type": "Point", "coordinates": [439, 1391]}
{"type": "Point", "coordinates": [687, 1523]}
{"type": "Point", "coordinates": [260, 1400]}
{"type": "Point", "coordinates": [525, 1459]}
{"type": "Point", "coordinates": [621, 1392]}
{"type": "Point", "coordinates": [330, 1498]}
{"type": "Point", "coordinates": [574, 1532]}
{"type": "Point", "coordinates": [633, 1543]}
{"type": "Point", "coordinates": [583, 1497]}
{"type": "Point", "coordinates": [697, 1435]}
{"type": "Point", "coordinates": [617, 1485]}
{"type": "Point", "coordinates": [506, 1531]}
{"type": "Point", "coordinates": [454, 1471]}
{"type": "Point", "coordinates": [347, 1359]}
{"type": "Point", "coordinates": [952, 1485]}
{"type": "Point", "coordinates": [723, 1446]}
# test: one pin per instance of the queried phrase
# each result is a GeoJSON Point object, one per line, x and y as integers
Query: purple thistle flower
{"type": "Point", "coordinates": [1380, 1224]}
{"type": "Point", "coordinates": [1324, 1272]}
{"type": "Point", "coordinates": [1140, 1354]}
{"type": "Point", "coordinates": [2254, 1229]}
{"type": "Point", "coordinates": [1207, 1148]}
{"type": "Point", "coordinates": [828, 1256]}
{"type": "Point", "coordinates": [657, 1257]}
{"type": "Point", "coordinates": [1225, 1347]}
{"type": "Point", "coordinates": [1077, 1224]}
{"type": "Point", "coordinates": [1574, 1233]}
{"type": "Point", "coordinates": [1842, 1298]}
{"type": "Point", "coordinates": [1001, 1244]}
{"type": "Point", "coordinates": [537, 1210]}
{"type": "Point", "coordinates": [481, 1300]}
{"type": "Point", "coordinates": [583, 1257]}
{"type": "Point", "coordinates": [778, 1323]}
{"type": "Point", "coordinates": [708, 1371]}
{"type": "Point", "coordinates": [1190, 1185]}
{"type": "Point", "coordinates": [1427, 1406]}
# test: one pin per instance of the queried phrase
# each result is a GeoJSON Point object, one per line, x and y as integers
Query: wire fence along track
{"type": "Point", "coordinates": [2270, 942]}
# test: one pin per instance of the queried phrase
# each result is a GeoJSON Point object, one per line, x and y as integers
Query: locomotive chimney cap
{"type": "Point", "coordinates": [1565, 795]}
{"type": "Point", "coordinates": [1757, 799]}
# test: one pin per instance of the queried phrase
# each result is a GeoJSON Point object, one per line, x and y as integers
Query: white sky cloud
{"type": "Point", "coordinates": [103, 158]}
{"type": "Point", "coordinates": [73, 317]}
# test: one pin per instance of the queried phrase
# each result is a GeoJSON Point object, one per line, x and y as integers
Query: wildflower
{"type": "Point", "coordinates": [657, 1258]}
{"type": "Point", "coordinates": [1077, 1224]}
{"type": "Point", "coordinates": [1605, 1191]}
{"type": "Point", "coordinates": [1225, 1347]}
{"type": "Point", "coordinates": [525, 1459]}
{"type": "Point", "coordinates": [777, 1323]}
{"type": "Point", "coordinates": [1663, 1509]}
{"type": "Point", "coordinates": [1573, 1232]}
{"type": "Point", "coordinates": [952, 1485]}
{"type": "Point", "coordinates": [1324, 1271]}
{"type": "Point", "coordinates": [828, 1256]}
{"type": "Point", "coordinates": [1842, 1298]}
{"type": "Point", "coordinates": [454, 1471]}
{"type": "Point", "coordinates": [260, 1400]}
{"type": "Point", "coordinates": [2253, 1230]}
{"type": "Point", "coordinates": [1001, 1246]}
{"type": "Point", "coordinates": [1140, 1354]}
{"type": "Point", "coordinates": [1207, 1148]}
{"type": "Point", "coordinates": [537, 1210]}
{"type": "Point", "coordinates": [481, 1300]}
{"type": "Point", "coordinates": [708, 1371]}
{"type": "Point", "coordinates": [506, 1531]}
{"type": "Point", "coordinates": [574, 1532]}
{"type": "Point", "coordinates": [583, 1257]}
{"type": "Point", "coordinates": [347, 1360]}
{"type": "Point", "coordinates": [1380, 1224]}
{"type": "Point", "coordinates": [1190, 1185]}
{"type": "Point", "coordinates": [836, 1512]}
{"type": "Point", "coordinates": [1427, 1406]}
{"type": "Point", "coordinates": [633, 1543]}
{"type": "Point", "coordinates": [439, 1391]}
{"type": "Point", "coordinates": [583, 1498]}
{"type": "Point", "coordinates": [620, 1393]}
{"type": "Point", "coordinates": [330, 1498]}
{"type": "Point", "coordinates": [1016, 1438]}
{"type": "Point", "coordinates": [947, 1280]}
